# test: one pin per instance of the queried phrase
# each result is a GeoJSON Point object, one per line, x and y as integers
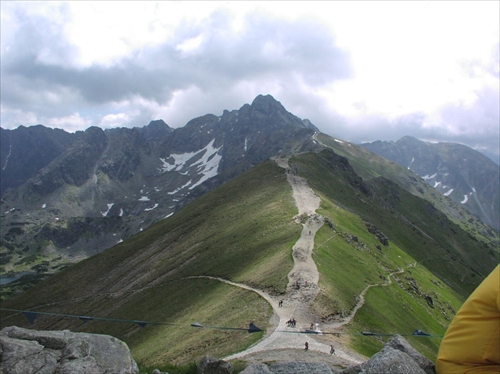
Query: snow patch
{"type": "Point", "coordinates": [427, 177]}
{"type": "Point", "coordinates": [411, 162]}
{"type": "Point", "coordinates": [104, 214]}
{"type": "Point", "coordinates": [339, 141]}
{"type": "Point", "coordinates": [150, 209]}
{"type": "Point", "coordinates": [144, 198]}
{"type": "Point", "coordinates": [448, 193]}
{"type": "Point", "coordinates": [207, 165]}
{"type": "Point", "coordinates": [44, 206]}
{"type": "Point", "coordinates": [466, 198]}
{"type": "Point", "coordinates": [180, 188]}
{"type": "Point", "coordinates": [436, 183]}
{"type": "Point", "coordinates": [168, 215]}
{"type": "Point", "coordinates": [8, 155]}
{"type": "Point", "coordinates": [121, 213]}
{"type": "Point", "coordinates": [119, 241]}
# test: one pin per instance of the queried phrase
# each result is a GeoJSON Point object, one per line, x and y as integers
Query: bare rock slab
{"type": "Point", "coordinates": [63, 352]}
{"type": "Point", "coordinates": [397, 357]}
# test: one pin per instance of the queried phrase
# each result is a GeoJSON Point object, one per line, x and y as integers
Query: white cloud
{"type": "Point", "coordinates": [356, 69]}
{"type": "Point", "coordinates": [71, 123]}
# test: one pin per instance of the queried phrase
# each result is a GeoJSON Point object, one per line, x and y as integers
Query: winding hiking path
{"type": "Point", "coordinates": [302, 284]}
{"type": "Point", "coordinates": [285, 342]}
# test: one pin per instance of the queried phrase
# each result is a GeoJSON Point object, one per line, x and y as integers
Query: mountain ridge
{"type": "Point", "coordinates": [466, 176]}
{"type": "Point", "coordinates": [117, 182]}
{"type": "Point", "coordinates": [108, 185]}
{"type": "Point", "coordinates": [244, 231]}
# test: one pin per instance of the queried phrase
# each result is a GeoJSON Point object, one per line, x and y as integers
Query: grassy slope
{"type": "Point", "coordinates": [442, 260]}
{"type": "Point", "coordinates": [369, 165]}
{"type": "Point", "coordinates": [244, 231]}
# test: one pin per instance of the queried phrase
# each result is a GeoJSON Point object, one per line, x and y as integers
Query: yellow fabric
{"type": "Point", "coordinates": [472, 342]}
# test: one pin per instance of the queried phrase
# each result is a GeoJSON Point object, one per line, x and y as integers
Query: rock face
{"type": "Point", "coordinates": [397, 357]}
{"type": "Point", "coordinates": [211, 365]}
{"type": "Point", "coordinates": [25, 351]}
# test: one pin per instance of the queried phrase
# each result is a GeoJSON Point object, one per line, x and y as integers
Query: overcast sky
{"type": "Point", "coordinates": [360, 71]}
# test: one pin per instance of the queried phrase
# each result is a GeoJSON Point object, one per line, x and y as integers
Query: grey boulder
{"type": "Point", "coordinates": [24, 351]}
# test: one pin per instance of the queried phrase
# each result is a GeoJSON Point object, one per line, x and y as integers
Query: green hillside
{"type": "Point", "coordinates": [428, 255]}
{"type": "Point", "coordinates": [244, 231]}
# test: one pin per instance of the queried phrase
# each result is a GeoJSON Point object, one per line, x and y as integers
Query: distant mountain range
{"type": "Point", "coordinates": [67, 196]}
{"type": "Point", "coordinates": [464, 175]}
{"type": "Point", "coordinates": [74, 195]}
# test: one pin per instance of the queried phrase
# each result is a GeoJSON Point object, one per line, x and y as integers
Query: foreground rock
{"type": "Point", "coordinates": [25, 351]}
{"type": "Point", "coordinates": [211, 365]}
{"type": "Point", "coordinates": [397, 357]}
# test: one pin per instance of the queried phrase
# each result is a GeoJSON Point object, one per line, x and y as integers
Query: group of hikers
{"type": "Point", "coordinates": [291, 322]}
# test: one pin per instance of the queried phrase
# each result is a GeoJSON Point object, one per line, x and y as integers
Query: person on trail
{"type": "Point", "coordinates": [280, 304]}
{"type": "Point", "coordinates": [307, 346]}
{"type": "Point", "coordinates": [472, 342]}
{"type": "Point", "coordinates": [332, 350]}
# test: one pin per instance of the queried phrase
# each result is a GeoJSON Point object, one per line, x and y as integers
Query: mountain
{"type": "Point", "coordinates": [26, 150]}
{"type": "Point", "coordinates": [464, 175]}
{"type": "Point", "coordinates": [107, 185]}
{"type": "Point", "coordinates": [388, 261]}
{"type": "Point", "coordinates": [183, 239]}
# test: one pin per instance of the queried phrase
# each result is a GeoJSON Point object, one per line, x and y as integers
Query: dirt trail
{"type": "Point", "coordinates": [284, 342]}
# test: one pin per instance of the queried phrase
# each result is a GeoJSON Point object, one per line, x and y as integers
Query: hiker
{"type": "Point", "coordinates": [307, 346]}
{"type": "Point", "coordinates": [332, 350]}
{"type": "Point", "coordinates": [472, 342]}
{"type": "Point", "coordinates": [280, 304]}
{"type": "Point", "coordinates": [312, 326]}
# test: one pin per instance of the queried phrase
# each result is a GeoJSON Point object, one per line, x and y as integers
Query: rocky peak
{"type": "Point", "coordinates": [155, 130]}
{"type": "Point", "coordinates": [266, 104]}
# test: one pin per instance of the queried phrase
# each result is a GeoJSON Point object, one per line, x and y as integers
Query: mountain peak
{"type": "Point", "coordinates": [266, 102]}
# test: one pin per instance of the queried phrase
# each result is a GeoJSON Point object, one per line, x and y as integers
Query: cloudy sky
{"type": "Point", "coordinates": [360, 71]}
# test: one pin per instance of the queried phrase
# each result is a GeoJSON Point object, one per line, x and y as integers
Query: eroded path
{"type": "Point", "coordinates": [302, 285]}
{"type": "Point", "coordinates": [285, 342]}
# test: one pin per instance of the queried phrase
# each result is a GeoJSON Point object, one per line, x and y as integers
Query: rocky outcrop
{"type": "Point", "coordinates": [211, 365]}
{"type": "Point", "coordinates": [397, 357]}
{"type": "Point", "coordinates": [25, 351]}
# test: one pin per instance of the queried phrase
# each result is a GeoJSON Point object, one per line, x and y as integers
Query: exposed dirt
{"type": "Point", "coordinates": [285, 342]}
